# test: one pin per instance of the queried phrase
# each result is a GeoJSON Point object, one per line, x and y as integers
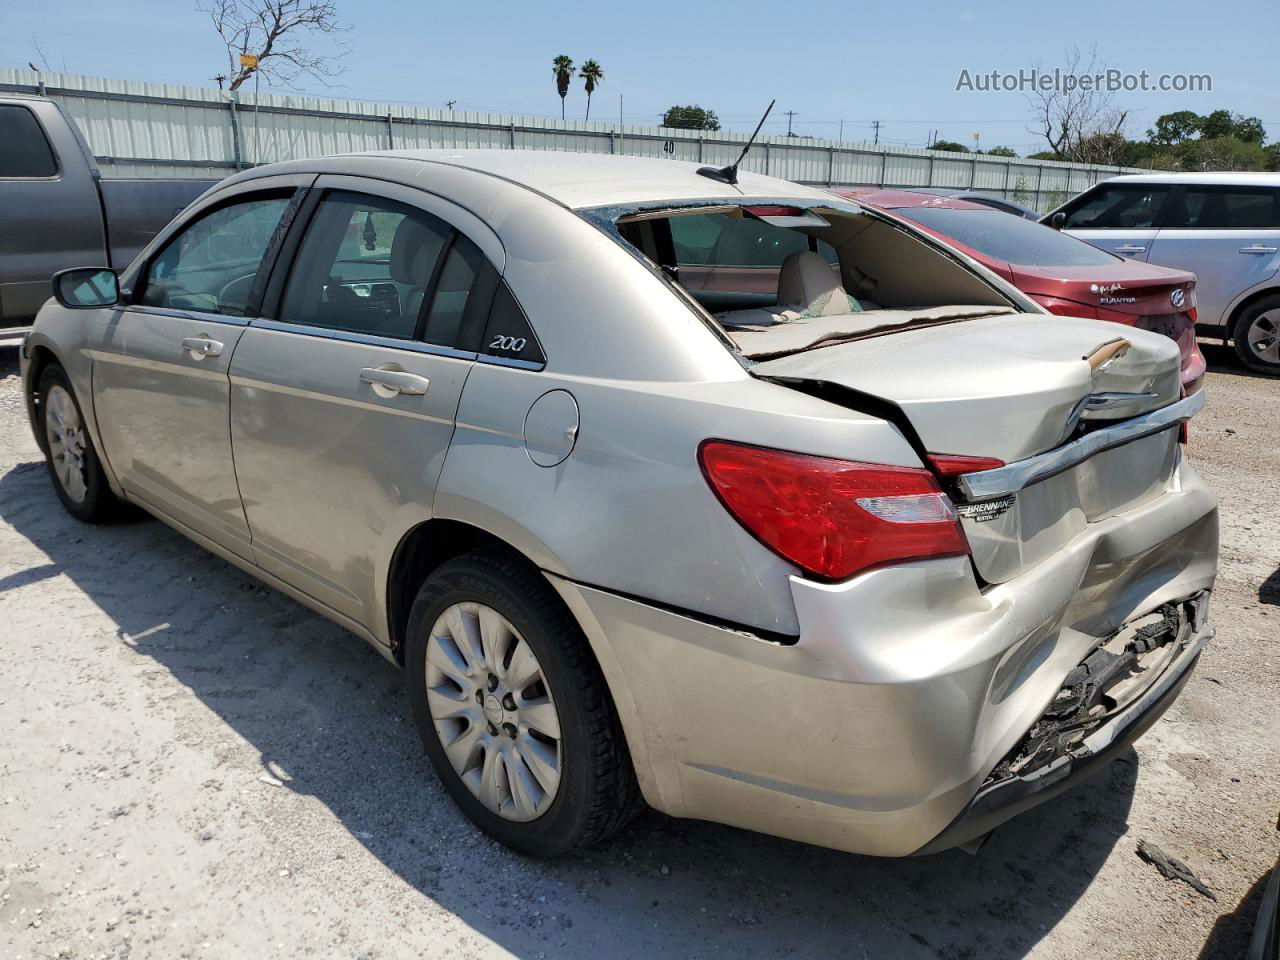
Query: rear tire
{"type": "Point", "coordinates": [540, 765]}
{"type": "Point", "coordinates": [73, 462]}
{"type": "Point", "coordinates": [1256, 336]}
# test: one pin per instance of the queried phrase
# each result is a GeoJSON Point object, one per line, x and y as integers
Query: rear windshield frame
{"type": "Point", "coordinates": [606, 216]}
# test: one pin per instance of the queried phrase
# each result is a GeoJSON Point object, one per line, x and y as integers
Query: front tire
{"type": "Point", "coordinates": [1256, 336]}
{"type": "Point", "coordinates": [513, 710]}
{"type": "Point", "coordinates": [73, 462]}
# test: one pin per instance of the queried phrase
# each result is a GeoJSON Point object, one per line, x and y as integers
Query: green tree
{"type": "Point", "coordinates": [1220, 153]}
{"type": "Point", "coordinates": [1173, 128]}
{"type": "Point", "coordinates": [1224, 123]}
{"type": "Point", "coordinates": [591, 75]}
{"type": "Point", "coordinates": [562, 67]}
{"type": "Point", "coordinates": [950, 146]}
{"type": "Point", "coordinates": [1249, 129]}
{"type": "Point", "coordinates": [1000, 152]}
{"type": "Point", "coordinates": [691, 117]}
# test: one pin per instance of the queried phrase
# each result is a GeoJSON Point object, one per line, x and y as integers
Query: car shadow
{"type": "Point", "coordinates": [328, 715]}
{"type": "Point", "coordinates": [1269, 590]}
{"type": "Point", "coordinates": [1222, 358]}
{"type": "Point", "coordinates": [1231, 933]}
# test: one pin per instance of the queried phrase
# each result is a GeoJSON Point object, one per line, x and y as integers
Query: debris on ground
{"type": "Point", "coordinates": [1171, 868]}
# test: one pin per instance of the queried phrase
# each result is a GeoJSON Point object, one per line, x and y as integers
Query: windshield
{"type": "Point", "coordinates": [1009, 238]}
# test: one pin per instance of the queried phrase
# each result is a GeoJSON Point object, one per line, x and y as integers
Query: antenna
{"type": "Point", "coordinates": [729, 174]}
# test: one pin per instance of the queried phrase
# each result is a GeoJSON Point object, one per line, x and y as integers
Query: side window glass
{"type": "Point", "coordinates": [211, 264]}
{"type": "Point", "coordinates": [508, 333]}
{"type": "Point", "coordinates": [364, 266]}
{"type": "Point", "coordinates": [1118, 207]}
{"type": "Point", "coordinates": [449, 300]}
{"type": "Point", "coordinates": [26, 151]}
{"type": "Point", "coordinates": [1226, 208]}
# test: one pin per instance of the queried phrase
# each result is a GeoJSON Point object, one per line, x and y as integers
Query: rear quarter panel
{"type": "Point", "coordinates": [629, 509]}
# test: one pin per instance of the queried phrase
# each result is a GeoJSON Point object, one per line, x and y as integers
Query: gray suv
{"type": "Point", "coordinates": [1224, 227]}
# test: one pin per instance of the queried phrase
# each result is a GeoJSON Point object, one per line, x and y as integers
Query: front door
{"type": "Point", "coordinates": [160, 376]}
{"type": "Point", "coordinates": [343, 405]}
{"type": "Point", "coordinates": [1228, 236]}
{"type": "Point", "coordinates": [1118, 217]}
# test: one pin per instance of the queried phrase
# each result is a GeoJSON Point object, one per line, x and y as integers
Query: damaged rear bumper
{"type": "Point", "coordinates": [879, 727]}
{"type": "Point", "coordinates": [1001, 799]}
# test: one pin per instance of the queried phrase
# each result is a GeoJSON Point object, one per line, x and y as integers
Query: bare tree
{"type": "Point", "coordinates": [1079, 122]}
{"type": "Point", "coordinates": [276, 31]}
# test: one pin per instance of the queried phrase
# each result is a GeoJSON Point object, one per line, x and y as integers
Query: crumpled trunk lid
{"type": "Point", "coordinates": [1011, 387]}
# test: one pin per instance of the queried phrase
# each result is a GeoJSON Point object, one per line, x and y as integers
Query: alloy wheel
{"type": "Point", "coordinates": [67, 444]}
{"type": "Point", "coordinates": [493, 711]}
{"type": "Point", "coordinates": [1263, 336]}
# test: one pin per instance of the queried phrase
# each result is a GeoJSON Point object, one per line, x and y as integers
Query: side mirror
{"type": "Point", "coordinates": [83, 288]}
{"type": "Point", "coordinates": [1058, 220]}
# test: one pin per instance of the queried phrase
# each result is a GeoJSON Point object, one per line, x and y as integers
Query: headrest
{"type": "Point", "coordinates": [414, 249]}
{"type": "Point", "coordinates": [808, 280]}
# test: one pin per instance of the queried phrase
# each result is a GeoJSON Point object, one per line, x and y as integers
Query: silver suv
{"type": "Point", "coordinates": [872, 556]}
{"type": "Point", "coordinates": [1224, 227]}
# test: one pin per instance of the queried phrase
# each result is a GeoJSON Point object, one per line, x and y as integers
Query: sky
{"type": "Point", "coordinates": [828, 62]}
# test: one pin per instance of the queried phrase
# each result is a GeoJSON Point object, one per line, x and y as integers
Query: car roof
{"type": "Point", "coordinates": [890, 199]}
{"type": "Point", "coordinates": [1221, 178]}
{"type": "Point", "coordinates": [580, 180]}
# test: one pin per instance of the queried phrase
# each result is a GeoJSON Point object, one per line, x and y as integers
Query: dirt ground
{"type": "Point", "coordinates": [192, 765]}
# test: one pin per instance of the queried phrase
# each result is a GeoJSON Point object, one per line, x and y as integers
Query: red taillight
{"type": "Point", "coordinates": [948, 465]}
{"type": "Point", "coordinates": [833, 518]}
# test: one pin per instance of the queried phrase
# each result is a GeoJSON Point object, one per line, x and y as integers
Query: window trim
{"type": "Point", "coordinates": [58, 170]}
{"type": "Point", "coordinates": [371, 339]}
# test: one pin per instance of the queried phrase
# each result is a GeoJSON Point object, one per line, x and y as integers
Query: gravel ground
{"type": "Point", "coordinates": [194, 766]}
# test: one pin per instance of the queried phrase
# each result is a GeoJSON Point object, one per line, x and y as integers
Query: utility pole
{"type": "Point", "coordinates": [220, 78]}
{"type": "Point", "coordinates": [841, 137]}
{"type": "Point", "coordinates": [790, 114]}
{"type": "Point", "coordinates": [875, 125]}
{"type": "Point", "coordinates": [449, 104]}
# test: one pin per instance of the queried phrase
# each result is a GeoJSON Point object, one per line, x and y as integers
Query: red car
{"type": "Point", "coordinates": [1064, 275]}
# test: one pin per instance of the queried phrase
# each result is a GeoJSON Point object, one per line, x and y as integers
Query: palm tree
{"type": "Point", "coordinates": [562, 67]}
{"type": "Point", "coordinates": [591, 75]}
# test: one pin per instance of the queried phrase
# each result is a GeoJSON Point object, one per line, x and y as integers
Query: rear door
{"type": "Point", "coordinates": [1119, 217]}
{"type": "Point", "coordinates": [160, 383]}
{"type": "Point", "coordinates": [343, 402]}
{"type": "Point", "coordinates": [1229, 236]}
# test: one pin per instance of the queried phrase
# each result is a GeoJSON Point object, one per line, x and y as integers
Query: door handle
{"type": "Point", "coordinates": [1129, 248]}
{"type": "Point", "coordinates": [201, 347]}
{"type": "Point", "coordinates": [1258, 249]}
{"type": "Point", "coordinates": [391, 383]}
